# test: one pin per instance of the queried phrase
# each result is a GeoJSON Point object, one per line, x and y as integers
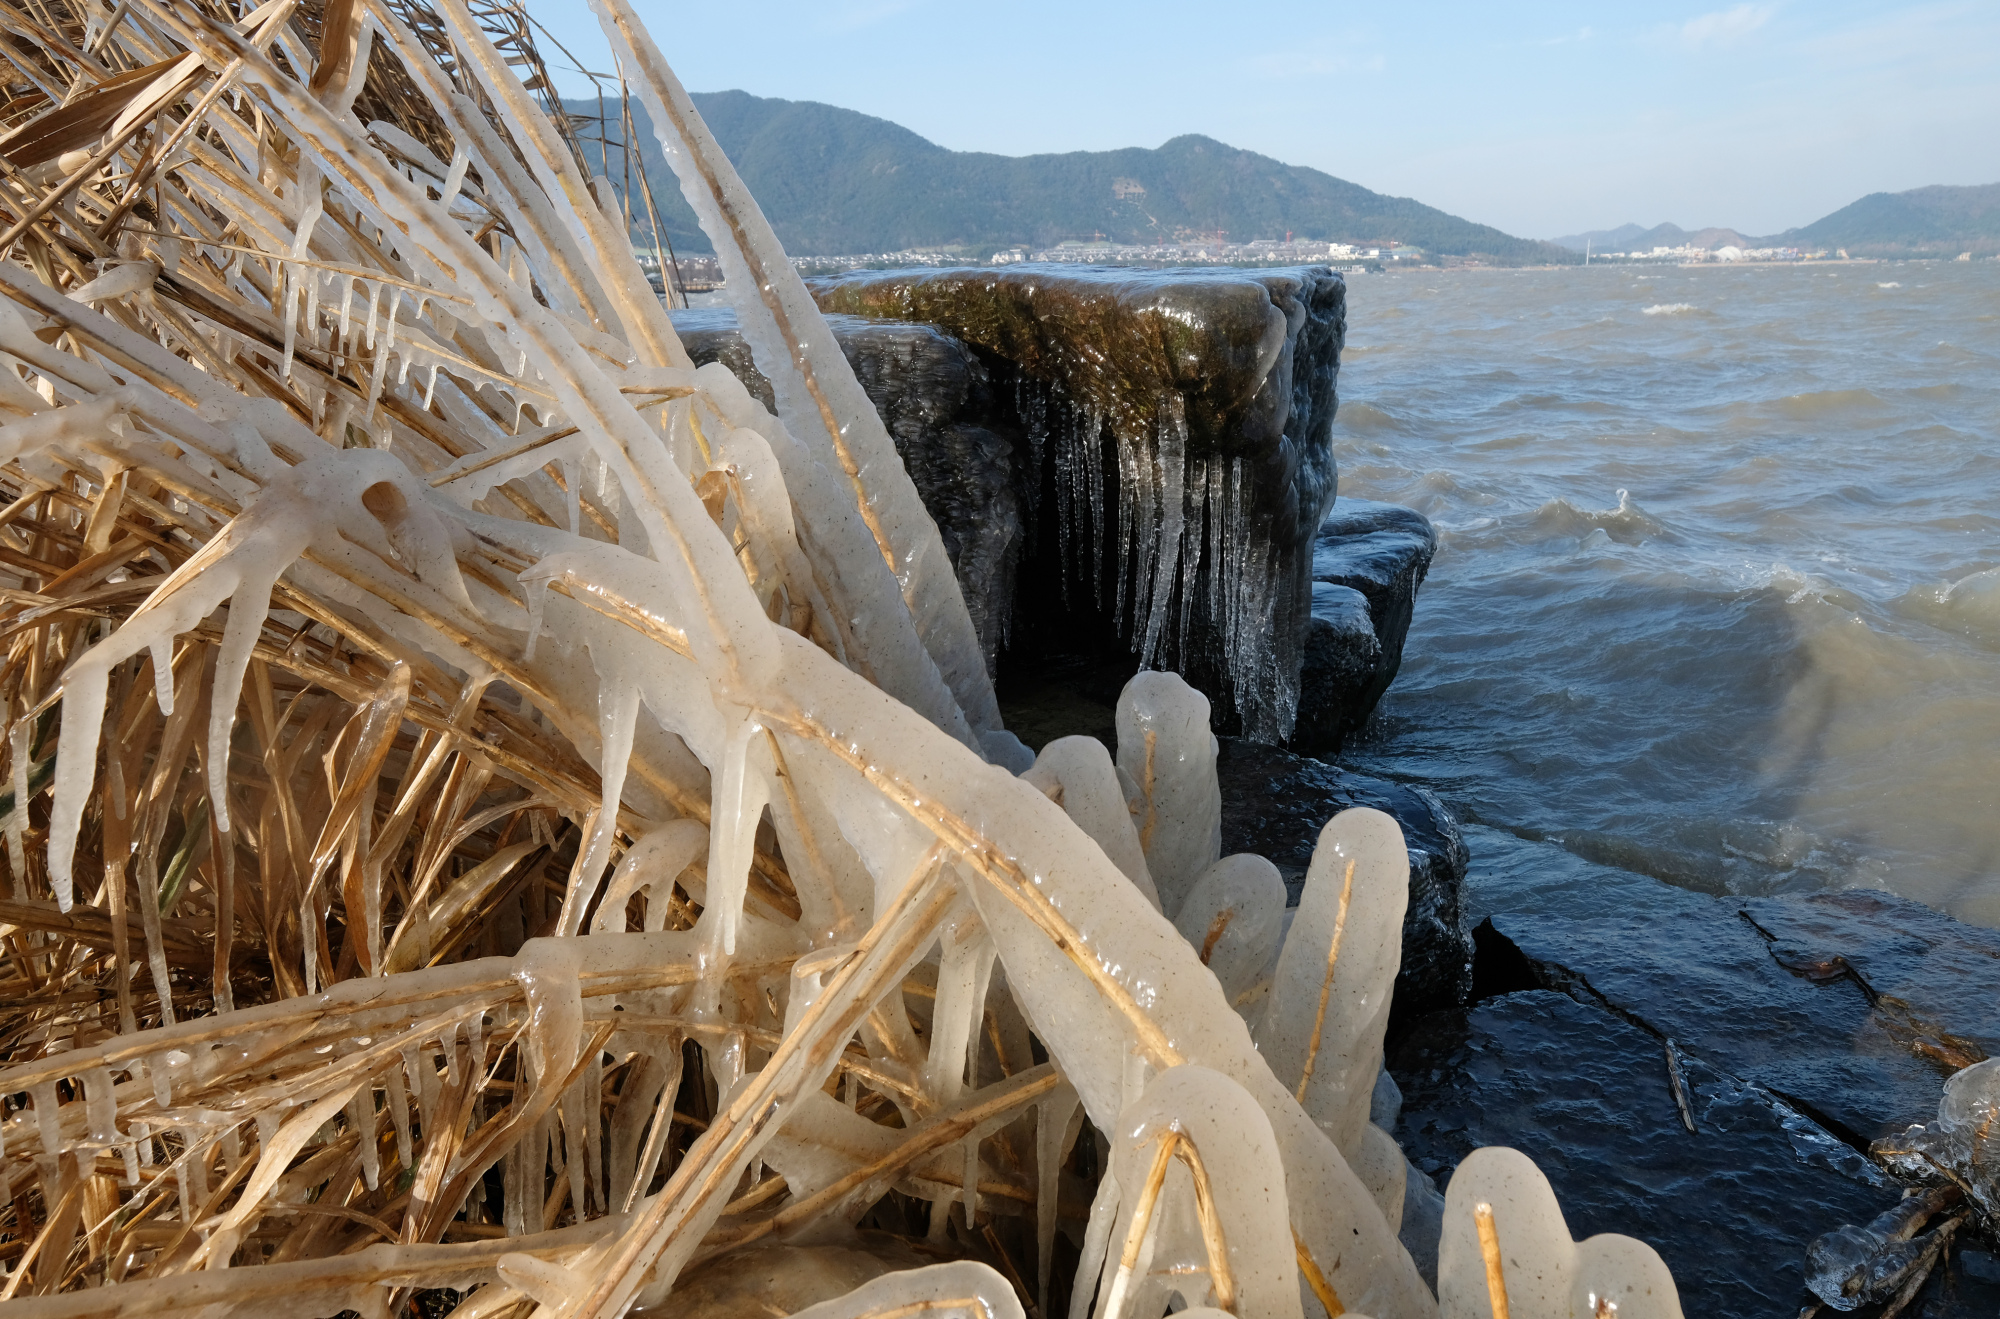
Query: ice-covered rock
{"type": "Point", "coordinates": [1369, 559]}
{"type": "Point", "coordinates": [1177, 458]}
{"type": "Point", "coordinates": [1343, 657]}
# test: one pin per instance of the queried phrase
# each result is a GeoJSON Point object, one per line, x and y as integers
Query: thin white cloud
{"type": "Point", "coordinates": [1724, 27]}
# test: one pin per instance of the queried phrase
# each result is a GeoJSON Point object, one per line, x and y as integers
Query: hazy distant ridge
{"type": "Point", "coordinates": [1933, 221]}
{"type": "Point", "coordinates": [1637, 238]}
{"type": "Point", "coordinates": [836, 182]}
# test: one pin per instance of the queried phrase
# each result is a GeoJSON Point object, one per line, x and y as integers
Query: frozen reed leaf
{"type": "Point", "coordinates": [1852, 1266]}
{"type": "Point", "coordinates": [1193, 1204]}
{"type": "Point", "coordinates": [1329, 1005]}
{"type": "Point", "coordinates": [965, 1290]}
{"type": "Point", "coordinates": [1076, 774]}
{"type": "Point", "coordinates": [1522, 1251]}
{"type": "Point", "coordinates": [1167, 754]}
{"type": "Point", "coordinates": [1232, 917]}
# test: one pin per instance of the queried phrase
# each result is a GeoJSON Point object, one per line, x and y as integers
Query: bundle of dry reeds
{"type": "Point", "coordinates": [495, 819]}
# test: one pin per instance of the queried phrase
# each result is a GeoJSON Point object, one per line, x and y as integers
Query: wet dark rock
{"type": "Point", "coordinates": [1731, 1209]}
{"type": "Point", "coordinates": [1369, 559]}
{"type": "Point", "coordinates": [1803, 1025]}
{"type": "Point", "coordinates": [1342, 658]}
{"type": "Point", "coordinates": [937, 401]}
{"type": "Point", "coordinates": [1861, 1060]}
{"type": "Point", "coordinates": [1179, 455]}
{"type": "Point", "coordinates": [1275, 803]}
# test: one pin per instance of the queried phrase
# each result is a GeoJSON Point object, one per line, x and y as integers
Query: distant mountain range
{"type": "Point", "coordinates": [1638, 238]}
{"type": "Point", "coordinates": [837, 182]}
{"type": "Point", "coordinates": [1934, 221]}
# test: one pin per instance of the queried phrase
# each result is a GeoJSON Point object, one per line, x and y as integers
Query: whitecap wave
{"type": "Point", "coordinates": [1668, 309]}
{"type": "Point", "coordinates": [1892, 284]}
{"type": "Point", "coordinates": [1627, 524]}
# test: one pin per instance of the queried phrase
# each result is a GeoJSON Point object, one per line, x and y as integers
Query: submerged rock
{"type": "Point", "coordinates": [1178, 449]}
{"type": "Point", "coordinates": [1274, 803]}
{"type": "Point", "coordinates": [937, 401]}
{"type": "Point", "coordinates": [1369, 559]}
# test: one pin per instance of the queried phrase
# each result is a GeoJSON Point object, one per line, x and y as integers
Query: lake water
{"type": "Point", "coordinates": [1717, 596]}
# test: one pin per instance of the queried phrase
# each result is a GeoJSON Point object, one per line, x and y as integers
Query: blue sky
{"type": "Point", "coordinates": [1541, 118]}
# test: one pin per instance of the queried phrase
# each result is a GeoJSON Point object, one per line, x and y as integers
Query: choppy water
{"type": "Point", "coordinates": [1718, 590]}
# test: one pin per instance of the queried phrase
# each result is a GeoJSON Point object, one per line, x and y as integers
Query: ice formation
{"type": "Point", "coordinates": [1955, 1163]}
{"type": "Point", "coordinates": [1506, 1251]}
{"type": "Point", "coordinates": [489, 807]}
{"type": "Point", "coordinates": [1182, 465]}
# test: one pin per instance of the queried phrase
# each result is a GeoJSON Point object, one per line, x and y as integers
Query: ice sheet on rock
{"type": "Point", "coordinates": [1548, 1275]}
{"type": "Point", "coordinates": [1167, 753]}
{"type": "Point", "coordinates": [1197, 579]}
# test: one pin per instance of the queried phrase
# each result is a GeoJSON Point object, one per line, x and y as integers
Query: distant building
{"type": "Point", "coordinates": [1729, 253]}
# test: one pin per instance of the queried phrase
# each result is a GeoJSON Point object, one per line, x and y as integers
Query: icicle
{"type": "Point", "coordinates": [389, 326]}
{"type": "Point", "coordinates": [1170, 472]}
{"type": "Point", "coordinates": [430, 386]}
{"type": "Point", "coordinates": [17, 819]}
{"type": "Point", "coordinates": [454, 1067]}
{"type": "Point", "coordinates": [101, 1110]}
{"type": "Point", "coordinates": [454, 177]}
{"type": "Point", "coordinates": [374, 291]}
{"type": "Point", "coordinates": [312, 204]}
{"type": "Point", "coordinates": [740, 797]}
{"type": "Point", "coordinates": [267, 1129]}
{"type": "Point", "coordinates": [549, 972]}
{"type": "Point", "coordinates": [424, 1084]}
{"type": "Point", "coordinates": [535, 589]}
{"type": "Point", "coordinates": [1058, 1118]}
{"type": "Point", "coordinates": [313, 278]}
{"type": "Point", "coordinates": [163, 673]}
{"type": "Point", "coordinates": [361, 1118]}
{"type": "Point", "coordinates": [346, 333]}
{"type": "Point", "coordinates": [287, 312]}
{"type": "Point", "coordinates": [617, 719]}
{"type": "Point", "coordinates": [48, 1122]}
{"type": "Point", "coordinates": [970, 1195]}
